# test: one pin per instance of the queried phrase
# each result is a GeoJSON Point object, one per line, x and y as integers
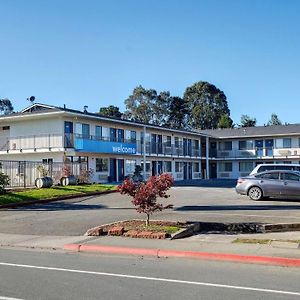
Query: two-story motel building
{"type": "Point", "coordinates": [112, 147]}
{"type": "Point", "coordinates": [237, 151]}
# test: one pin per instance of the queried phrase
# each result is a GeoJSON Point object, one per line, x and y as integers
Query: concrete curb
{"type": "Point", "coordinates": [251, 259]}
{"type": "Point", "coordinates": [40, 201]}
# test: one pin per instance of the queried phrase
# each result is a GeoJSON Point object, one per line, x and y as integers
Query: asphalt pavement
{"type": "Point", "coordinates": [210, 204]}
{"type": "Point", "coordinates": [36, 275]}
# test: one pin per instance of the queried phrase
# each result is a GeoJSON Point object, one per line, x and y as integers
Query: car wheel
{"type": "Point", "coordinates": [255, 193]}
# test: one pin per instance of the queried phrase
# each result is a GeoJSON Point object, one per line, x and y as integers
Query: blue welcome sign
{"type": "Point", "coordinates": [85, 145]}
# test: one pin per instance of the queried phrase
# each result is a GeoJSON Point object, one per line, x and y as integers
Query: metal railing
{"type": "Point", "coordinates": [259, 152]}
{"type": "Point", "coordinates": [24, 173]}
{"type": "Point", "coordinates": [50, 141]}
{"type": "Point", "coordinates": [31, 142]}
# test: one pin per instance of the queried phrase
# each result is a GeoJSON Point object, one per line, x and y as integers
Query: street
{"type": "Point", "coordinates": [44, 275]}
{"type": "Point", "coordinates": [191, 203]}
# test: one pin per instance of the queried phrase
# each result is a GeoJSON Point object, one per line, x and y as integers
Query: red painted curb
{"type": "Point", "coordinates": [252, 259]}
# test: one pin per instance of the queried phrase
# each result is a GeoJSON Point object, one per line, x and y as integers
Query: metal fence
{"type": "Point", "coordinates": [24, 173]}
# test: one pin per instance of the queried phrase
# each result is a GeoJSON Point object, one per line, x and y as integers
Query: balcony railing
{"type": "Point", "coordinates": [42, 141]}
{"type": "Point", "coordinates": [92, 143]}
{"type": "Point", "coordinates": [259, 153]}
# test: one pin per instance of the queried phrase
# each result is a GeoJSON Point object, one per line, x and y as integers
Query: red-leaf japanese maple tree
{"type": "Point", "coordinates": [145, 194]}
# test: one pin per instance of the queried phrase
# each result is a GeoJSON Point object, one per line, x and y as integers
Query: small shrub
{"type": "Point", "coordinates": [67, 170]}
{"type": "Point", "coordinates": [137, 176]}
{"type": "Point", "coordinates": [4, 181]}
{"type": "Point", "coordinates": [85, 176]}
{"type": "Point", "coordinates": [42, 170]}
{"type": "Point", "coordinates": [145, 194]}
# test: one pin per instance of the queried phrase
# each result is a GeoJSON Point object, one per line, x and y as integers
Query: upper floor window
{"type": "Point", "coordinates": [83, 130]}
{"type": "Point", "coordinates": [225, 146]}
{"type": "Point", "coordinates": [246, 145]}
{"type": "Point", "coordinates": [98, 132]}
{"type": "Point", "coordinates": [178, 142]}
{"type": "Point", "coordinates": [284, 143]}
{"type": "Point", "coordinates": [130, 136]}
{"type": "Point", "coordinates": [167, 140]}
{"type": "Point", "coordinates": [196, 144]}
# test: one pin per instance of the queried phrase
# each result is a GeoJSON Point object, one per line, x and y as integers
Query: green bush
{"type": "Point", "coordinates": [4, 181]}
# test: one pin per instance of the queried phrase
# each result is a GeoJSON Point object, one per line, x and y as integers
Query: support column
{"type": "Point", "coordinates": [206, 157]}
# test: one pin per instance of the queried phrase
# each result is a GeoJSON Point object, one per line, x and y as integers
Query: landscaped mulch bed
{"type": "Point", "coordinates": [138, 229]}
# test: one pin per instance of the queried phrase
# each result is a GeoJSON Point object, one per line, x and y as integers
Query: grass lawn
{"type": "Point", "coordinates": [262, 241]}
{"type": "Point", "coordinates": [53, 192]}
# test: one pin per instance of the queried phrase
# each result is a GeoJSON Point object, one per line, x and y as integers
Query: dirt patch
{"type": "Point", "coordinates": [138, 229]}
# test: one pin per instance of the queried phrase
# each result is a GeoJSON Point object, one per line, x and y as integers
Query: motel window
{"type": "Point", "coordinates": [178, 142]}
{"type": "Point", "coordinates": [105, 133]}
{"type": "Point", "coordinates": [245, 166]}
{"type": "Point", "coordinates": [130, 136]}
{"type": "Point", "coordinates": [196, 167]}
{"type": "Point", "coordinates": [167, 166]}
{"type": "Point", "coordinates": [225, 146]}
{"type": "Point", "coordinates": [148, 166]}
{"type": "Point", "coordinates": [178, 166]}
{"type": "Point", "coordinates": [284, 143]}
{"type": "Point", "coordinates": [167, 140]}
{"type": "Point", "coordinates": [196, 144]}
{"type": "Point", "coordinates": [98, 132]}
{"type": "Point", "coordinates": [86, 131]}
{"type": "Point", "coordinates": [47, 161]}
{"type": "Point", "coordinates": [245, 145]}
{"type": "Point", "coordinates": [130, 166]}
{"type": "Point", "coordinates": [101, 164]}
{"type": "Point", "coordinates": [225, 167]}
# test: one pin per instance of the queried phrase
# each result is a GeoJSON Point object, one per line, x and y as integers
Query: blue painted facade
{"type": "Point", "coordinates": [86, 145]}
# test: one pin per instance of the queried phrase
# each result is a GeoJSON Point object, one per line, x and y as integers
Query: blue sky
{"type": "Point", "coordinates": [95, 52]}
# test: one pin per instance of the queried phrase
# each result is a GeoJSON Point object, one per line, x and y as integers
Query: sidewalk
{"type": "Point", "coordinates": [209, 247]}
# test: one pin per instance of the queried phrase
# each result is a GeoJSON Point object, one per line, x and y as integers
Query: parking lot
{"type": "Point", "coordinates": [191, 203]}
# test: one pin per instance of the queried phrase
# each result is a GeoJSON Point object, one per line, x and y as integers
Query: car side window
{"type": "Point", "coordinates": [290, 176]}
{"type": "Point", "coordinates": [274, 176]}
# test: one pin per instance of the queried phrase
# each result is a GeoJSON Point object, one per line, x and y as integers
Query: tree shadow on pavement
{"type": "Point", "coordinates": [55, 206]}
{"type": "Point", "coordinates": [236, 207]}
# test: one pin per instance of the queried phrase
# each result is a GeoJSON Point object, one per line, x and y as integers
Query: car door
{"type": "Point", "coordinates": [270, 183]}
{"type": "Point", "coordinates": [290, 184]}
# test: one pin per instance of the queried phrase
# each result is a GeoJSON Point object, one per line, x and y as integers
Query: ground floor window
{"type": "Point", "coordinates": [196, 167]}
{"type": "Point", "coordinates": [101, 165]}
{"type": "Point", "coordinates": [225, 167]}
{"type": "Point", "coordinates": [245, 166]}
{"type": "Point", "coordinates": [167, 166]}
{"type": "Point", "coordinates": [148, 166]}
{"type": "Point", "coordinates": [178, 166]}
{"type": "Point", "coordinates": [130, 166]}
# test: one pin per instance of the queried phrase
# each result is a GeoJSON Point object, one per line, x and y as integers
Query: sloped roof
{"type": "Point", "coordinates": [39, 108]}
{"type": "Point", "coordinates": [253, 131]}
